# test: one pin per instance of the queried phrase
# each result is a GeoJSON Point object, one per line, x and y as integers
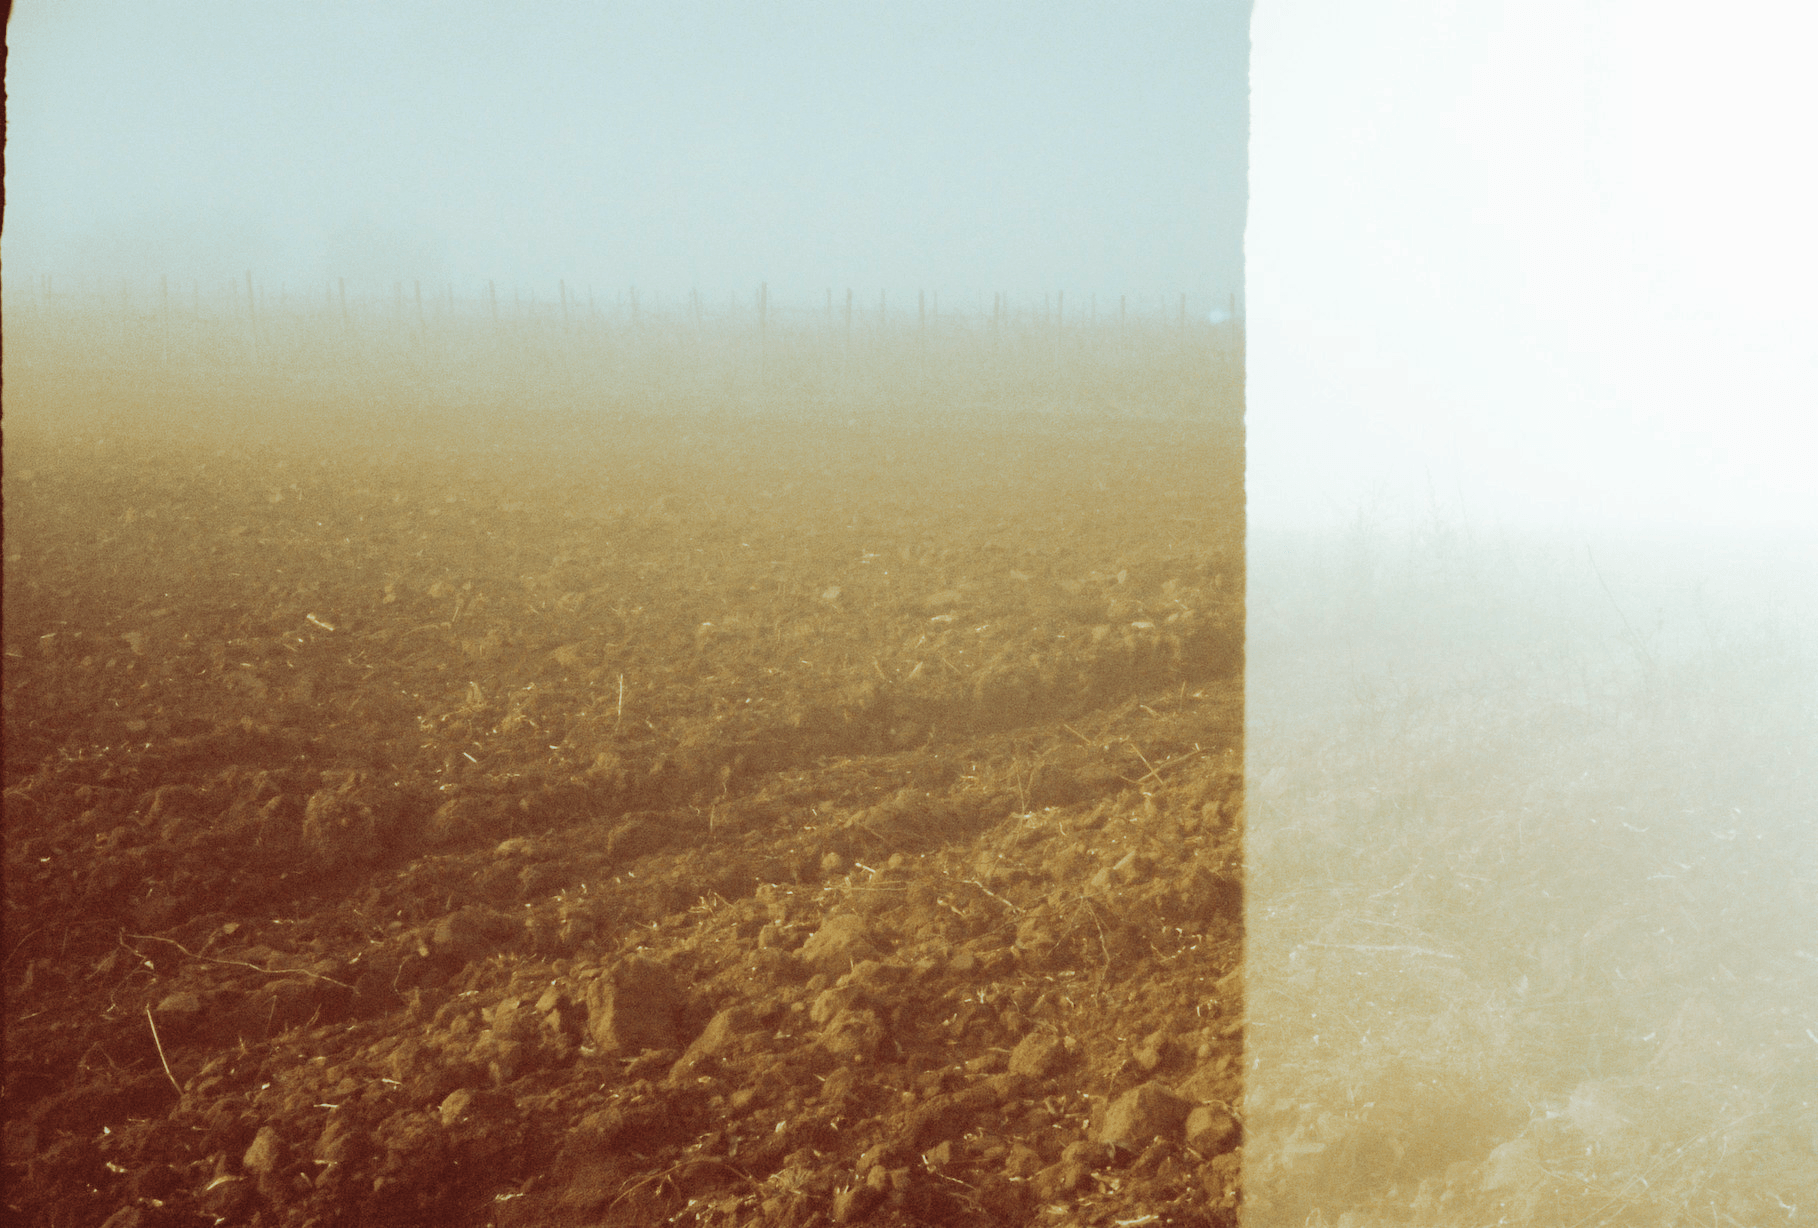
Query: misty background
{"type": "Point", "coordinates": [946, 147]}
{"type": "Point", "coordinates": [1543, 265]}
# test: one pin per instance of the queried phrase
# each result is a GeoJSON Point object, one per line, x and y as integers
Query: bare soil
{"type": "Point", "coordinates": [621, 821]}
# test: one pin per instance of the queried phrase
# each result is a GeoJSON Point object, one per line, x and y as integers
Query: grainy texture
{"type": "Point", "coordinates": [691, 822]}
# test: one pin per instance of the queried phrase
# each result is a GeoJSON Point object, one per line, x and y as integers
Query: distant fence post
{"type": "Point", "coordinates": [252, 318]}
{"type": "Point", "coordinates": [921, 336]}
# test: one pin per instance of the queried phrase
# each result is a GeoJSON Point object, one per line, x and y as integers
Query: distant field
{"type": "Point", "coordinates": [885, 359]}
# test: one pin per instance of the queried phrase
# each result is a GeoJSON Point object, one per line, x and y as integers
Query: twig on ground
{"type": "Point", "coordinates": [1156, 768]}
{"type": "Point", "coordinates": [22, 942]}
{"type": "Point", "coordinates": [161, 1058]}
{"type": "Point", "coordinates": [973, 882]}
{"type": "Point", "coordinates": [668, 1174]}
{"type": "Point", "coordinates": [238, 963]}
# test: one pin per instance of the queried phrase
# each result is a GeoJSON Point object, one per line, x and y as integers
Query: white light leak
{"type": "Point", "coordinates": [1582, 237]}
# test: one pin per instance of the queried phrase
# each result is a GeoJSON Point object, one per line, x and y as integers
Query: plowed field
{"type": "Point", "coordinates": [622, 821]}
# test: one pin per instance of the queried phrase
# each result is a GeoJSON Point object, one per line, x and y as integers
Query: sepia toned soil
{"type": "Point", "coordinates": [621, 821]}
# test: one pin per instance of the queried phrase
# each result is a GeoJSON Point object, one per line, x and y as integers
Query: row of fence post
{"type": "Point", "coordinates": [1018, 341]}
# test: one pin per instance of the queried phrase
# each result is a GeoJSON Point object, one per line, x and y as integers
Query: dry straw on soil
{"type": "Point", "coordinates": [1532, 885]}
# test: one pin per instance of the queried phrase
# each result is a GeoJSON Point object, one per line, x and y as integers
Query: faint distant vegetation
{"type": "Point", "coordinates": [1532, 880]}
{"type": "Point", "coordinates": [846, 355]}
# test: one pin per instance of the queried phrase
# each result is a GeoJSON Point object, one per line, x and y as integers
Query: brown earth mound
{"type": "Point", "coordinates": [701, 823]}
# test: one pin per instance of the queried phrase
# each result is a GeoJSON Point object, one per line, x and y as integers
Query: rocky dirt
{"type": "Point", "coordinates": [622, 822]}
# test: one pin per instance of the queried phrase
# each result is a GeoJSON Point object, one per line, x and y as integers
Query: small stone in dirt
{"type": "Point", "coordinates": [1143, 1114]}
{"type": "Point", "coordinates": [854, 1203]}
{"type": "Point", "coordinates": [1037, 1055]}
{"type": "Point", "coordinates": [265, 1154]}
{"type": "Point", "coordinates": [828, 1004]}
{"type": "Point", "coordinates": [854, 1034]}
{"type": "Point", "coordinates": [986, 1063]}
{"type": "Point", "coordinates": [1153, 1050]}
{"type": "Point", "coordinates": [838, 1086]}
{"type": "Point", "coordinates": [881, 1153]}
{"type": "Point", "coordinates": [1023, 1162]}
{"type": "Point", "coordinates": [181, 1003]}
{"type": "Point", "coordinates": [870, 974]}
{"type": "Point", "coordinates": [635, 838]}
{"type": "Point", "coordinates": [469, 933]}
{"type": "Point", "coordinates": [1011, 1086]}
{"type": "Point", "coordinates": [839, 944]}
{"type": "Point", "coordinates": [832, 863]}
{"type": "Point", "coordinates": [1216, 1080]}
{"type": "Point", "coordinates": [1059, 1180]}
{"type": "Point", "coordinates": [456, 1105]}
{"type": "Point", "coordinates": [636, 1006]}
{"type": "Point", "coordinates": [719, 1034]}
{"type": "Point", "coordinates": [1211, 1130]}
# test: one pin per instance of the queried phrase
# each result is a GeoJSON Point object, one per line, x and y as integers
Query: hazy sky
{"type": "Point", "coordinates": [1533, 262]}
{"type": "Point", "coordinates": [954, 146]}
{"type": "Point", "coordinates": [1511, 262]}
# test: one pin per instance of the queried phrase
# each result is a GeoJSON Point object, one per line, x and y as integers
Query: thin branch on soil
{"type": "Point", "coordinates": [1156, 768]}
{"type": "Point", "coordinates": [238, 963]}
{"type": "Point", "coordinates": [82, 1062]}
{"type": "Point", "coordinates": [1139, 754]}
{"type": "Point", "coordinates": [668, 1174]}
{"type": "Point", "coordinates": [1098, 925]}
{"type": "Point", "coordinates": [973, 882]}
{"type": "Point", "coordinates": [161, 1058]}
{"type": "Point", "coordinates": [22, 942]}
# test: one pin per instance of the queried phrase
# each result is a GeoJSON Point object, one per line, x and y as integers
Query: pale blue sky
{"type": "Point", "coordinates": [958, 147]}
